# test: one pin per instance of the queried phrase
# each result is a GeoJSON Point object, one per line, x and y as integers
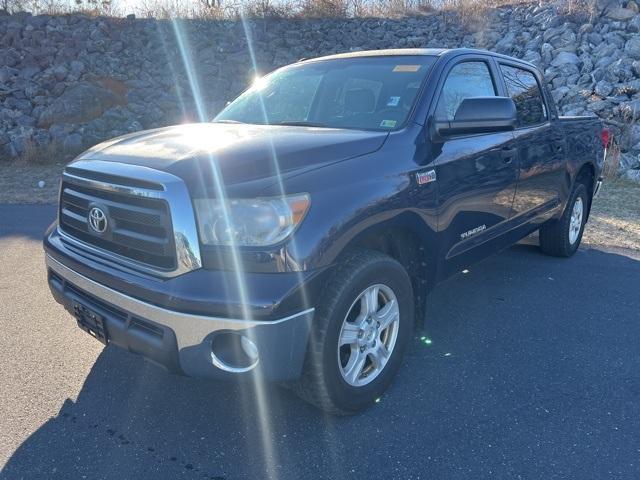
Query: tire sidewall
{"type": "Point", "coordinates": [387, 272]}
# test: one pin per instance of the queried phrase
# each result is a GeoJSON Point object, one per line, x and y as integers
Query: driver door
{"type": "Point", "coordinates": [476, 174]}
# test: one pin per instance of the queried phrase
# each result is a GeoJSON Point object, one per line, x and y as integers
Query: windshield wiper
{"type": "Point", "coordinates": [301, 124]}
{"type": "Point", "coordinates": [224, 120]}
{"type": "Point", "coordinates": [289, 124]}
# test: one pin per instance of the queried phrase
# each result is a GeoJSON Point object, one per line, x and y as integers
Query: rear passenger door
{"type": "Point", "coordinates": [476, 174]}
{"type": "Point", "coordinates": [541, 148]}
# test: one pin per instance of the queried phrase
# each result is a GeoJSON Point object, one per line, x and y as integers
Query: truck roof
{"type": "Point", "coordinates": [433, 52]}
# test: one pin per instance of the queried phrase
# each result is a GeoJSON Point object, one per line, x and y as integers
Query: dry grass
{"type": "Point", "coordinates": [19, 182]}
{"type": "Point", "coordinates": [61, 7]}
{"type": "Point", "coordinates": [615, 216]}
{"type": "Point", "coordinates": [612, 163]}
{"type": "Point", "coordinates": [468, 11]}
{"type": "Point", "coordinates": [232, 9]}
{"type": "Point", "coordinates": [33, 154]}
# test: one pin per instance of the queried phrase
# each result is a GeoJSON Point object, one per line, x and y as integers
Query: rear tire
{"type": "Point", "coordinates": [561, 238]}
{"type": "Point", "coordinates": [345, 333]}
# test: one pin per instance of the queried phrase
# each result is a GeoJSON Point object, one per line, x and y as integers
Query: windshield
{"type": "Point", "coordinates": [371, 93]}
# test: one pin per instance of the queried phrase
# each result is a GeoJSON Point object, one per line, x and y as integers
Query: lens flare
{"type": "Point", "coordinates": [172, 68]}
{"type": "Point", "coordinates": [220, 193]}
{"type": "Point", "coordinates": [189, 68]}
{"type": "Point", "coordinates": [257, 399]}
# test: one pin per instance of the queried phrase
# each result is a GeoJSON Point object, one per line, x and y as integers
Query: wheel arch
{"type": "Point", "coordinates": [408, 240]}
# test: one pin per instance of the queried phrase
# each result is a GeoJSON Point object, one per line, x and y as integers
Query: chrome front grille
{"type": "Point", "coordinates": [149, 220]}
{"type": "Point", "coordinates": [138, 228]}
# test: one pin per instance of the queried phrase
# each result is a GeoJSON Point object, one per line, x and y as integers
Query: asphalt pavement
{"type": "Point", "coordinates": [529, 369]}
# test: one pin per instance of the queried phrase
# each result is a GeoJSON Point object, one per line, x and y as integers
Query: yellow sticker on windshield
{"type": "Point", "coordinates": [406, 68]}
{"type": "Point", "coordinates": [388, 123]}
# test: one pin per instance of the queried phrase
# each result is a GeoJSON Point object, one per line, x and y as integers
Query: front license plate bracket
{"type": "Point", "coordinates": [91, 322]}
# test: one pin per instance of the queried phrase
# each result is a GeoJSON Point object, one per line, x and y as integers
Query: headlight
{"type": "Point", "coordinates": [255, 222]}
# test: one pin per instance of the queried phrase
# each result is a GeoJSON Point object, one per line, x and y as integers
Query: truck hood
{"type": "Point", "coordinates": [239, 152]}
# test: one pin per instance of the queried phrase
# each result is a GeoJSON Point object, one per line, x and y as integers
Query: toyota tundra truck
{"type": "Point", "coordinates": [295, 237]}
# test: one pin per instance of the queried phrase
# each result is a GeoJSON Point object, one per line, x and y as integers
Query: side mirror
{"type": "Point", "coordinates": [480, 115]}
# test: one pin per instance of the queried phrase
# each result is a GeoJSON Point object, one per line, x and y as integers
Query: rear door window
{"type": "Point", "coordinates": [524, 90]}
{"type": "Point", "coordinates": [465, 80]}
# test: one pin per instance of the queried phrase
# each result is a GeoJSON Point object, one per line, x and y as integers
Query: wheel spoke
{"type": "Point", "coordinates": [370, 300]}
{"type": "Point", "coordinates": [354, 367]}
{"type": "Point", "coordinates": [349, 334]}
{"type": "Point", "coordinates": [379, 355]}
{"type": "Point", "coordinates": [387, 315]}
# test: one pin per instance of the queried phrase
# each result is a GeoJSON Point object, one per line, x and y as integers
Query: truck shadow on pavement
{"type": "Point", "coordinates": [527, 365]}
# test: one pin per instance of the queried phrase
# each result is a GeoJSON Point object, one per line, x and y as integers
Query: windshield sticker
{"type": "Point", "coordinates": [406, 68]}
{"type": "Point", "coordinates": [393, 101]}
{"type": "Point", "coordinates": [388, 123]}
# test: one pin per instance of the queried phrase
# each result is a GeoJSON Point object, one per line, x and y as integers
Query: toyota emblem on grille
{"type": "Point", "coordinates": [97, 220]}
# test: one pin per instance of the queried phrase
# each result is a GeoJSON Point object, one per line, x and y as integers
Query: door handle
{"type": "Point", "coordinates": [508, 154]}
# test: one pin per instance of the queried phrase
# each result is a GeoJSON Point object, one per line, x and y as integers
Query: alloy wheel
{"type": "Point", "coordinates": [575, 224]}
{"type": "Point", "coordinates": [368, 335]}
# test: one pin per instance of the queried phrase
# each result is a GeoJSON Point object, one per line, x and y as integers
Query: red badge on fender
{"type": "Point", "coordinates": [426, 177]}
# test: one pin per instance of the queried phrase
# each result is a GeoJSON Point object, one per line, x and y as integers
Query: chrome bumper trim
{"type": "Point", "coordinates": [189, 329]}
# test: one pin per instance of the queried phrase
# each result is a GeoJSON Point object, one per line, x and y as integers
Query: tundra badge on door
{"type": "Point", "coordinates": [473, 231]}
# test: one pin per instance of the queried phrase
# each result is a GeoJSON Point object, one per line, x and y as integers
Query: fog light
{"type": "Point", "coordinates": [234, 352]}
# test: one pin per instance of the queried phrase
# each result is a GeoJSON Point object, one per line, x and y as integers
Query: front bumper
{"type": "Point", "coordinates": [182, 342]}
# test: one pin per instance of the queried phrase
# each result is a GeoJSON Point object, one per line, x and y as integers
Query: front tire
{"type": "Point", "coordinates": [562, 237]}
{"type": "Point", "coordinates": [362, 325]}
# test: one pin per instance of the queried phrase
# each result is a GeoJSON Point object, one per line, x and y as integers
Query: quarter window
{"type": "Point", "coordinates": [524, 90]}
{"type": "Point", "coordinates": [465, 80]}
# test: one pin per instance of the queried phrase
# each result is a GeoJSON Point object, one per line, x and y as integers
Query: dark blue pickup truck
{"type": "Point", "coordinates": [296, 236]}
